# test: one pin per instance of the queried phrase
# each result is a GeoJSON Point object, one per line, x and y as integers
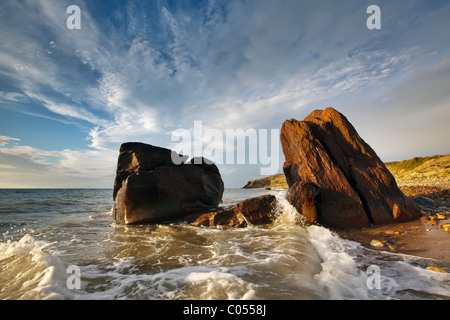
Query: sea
{"type": "Point", "coordinates": [64, 244]}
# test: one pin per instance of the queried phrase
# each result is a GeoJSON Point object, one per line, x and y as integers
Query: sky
{"type": "Point", "coordinates": [141, 70]}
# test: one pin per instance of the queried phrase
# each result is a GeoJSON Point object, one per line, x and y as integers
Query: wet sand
{"type": "Point", "coordinates": [424, 238]}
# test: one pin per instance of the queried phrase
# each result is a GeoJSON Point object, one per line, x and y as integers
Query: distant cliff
{"type": "Point", "coordinates": [433, 170]}
{"type": "Point", "coordinates": [277, 181]}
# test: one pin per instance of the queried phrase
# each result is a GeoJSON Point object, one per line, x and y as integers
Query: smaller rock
{"type": "Point", "coordinates": [440, 216]}
{"type": "Point", "coordinates": [253, 211]}
{"type": "Point", "coordinates": [436, 269]}
{"type": "Point", "coordinates": [377, 243]}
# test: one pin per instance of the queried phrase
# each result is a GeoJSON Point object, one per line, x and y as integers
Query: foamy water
{"type": "Point", "coordinates": [44, 232]}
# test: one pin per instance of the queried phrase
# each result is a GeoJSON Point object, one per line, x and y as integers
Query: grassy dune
{"type": "Point", "coordinates": [433, 170]}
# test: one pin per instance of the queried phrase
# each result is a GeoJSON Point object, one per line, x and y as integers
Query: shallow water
{"type": "Point", "coordinates": [44, 232]}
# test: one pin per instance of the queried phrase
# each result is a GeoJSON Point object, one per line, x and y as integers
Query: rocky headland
{"type": "Point", "coordinates": [277, 181]}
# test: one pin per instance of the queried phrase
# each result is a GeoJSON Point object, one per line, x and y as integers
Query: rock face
{"type": "Point", "coordinates": [355, 187]}
{"type": "Point", "coordinates": [303, 196]}
{"type": "Point", "coordinates": [135, 157]}
{"type": "Point", "coordinates": [254, 211]}
{"type": "Point", "coordinates": [150, 188]}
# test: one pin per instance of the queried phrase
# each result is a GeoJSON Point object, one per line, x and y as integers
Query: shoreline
{"type": "Point", "coordinates": [425, 237]}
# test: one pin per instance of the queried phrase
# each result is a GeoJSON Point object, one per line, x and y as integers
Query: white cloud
{"type": "Point", "coordinates": [282, 100]}
{"type": "Point", "coordinates": [64, 109]}
{"type": "Point", "coordinates": [6, 97]}
{"type": "Point", "coordinates": [23, 165]}
{"type": "Point", "coordinates": [408, 118]}
{"type": "Point", "coordinates": [34, 154]}
{"type": "Point", "coordinates": [231, 64]}
{"type": "Point", "coordinates": [129, 125]}
{"type": "Point", "coordinates": [88, 163]}
{"type": "Point", "coordinates": [4, 140]}
{"type": "Point", "coordinates": [6, 166]}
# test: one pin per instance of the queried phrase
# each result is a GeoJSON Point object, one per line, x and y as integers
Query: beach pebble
{"type": "Point", "coordinates": [436, 269]}
{"type": "Point", "coordinates": [377, 243]}
{"type": "Point", "coordinates": [440, 216]}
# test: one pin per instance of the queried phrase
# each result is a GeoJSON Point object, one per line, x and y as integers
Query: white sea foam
{"type": "Point", "coordinates": [286, 213]}
{"type": "Point", "coordinates": [220, 280]}
{"type": "Point", "coordinates": [29, 272]}
{"type": "Point", "coordinates": [344, 271]}
{"type": "Point", "coordinates": [339, 277]}
{"type": "Point", "coordinates": [283, 260]}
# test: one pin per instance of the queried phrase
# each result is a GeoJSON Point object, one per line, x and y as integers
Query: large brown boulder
{"type": "Point", "coordinates": [135, 157]}
{"type": "Point", "coordinates": [253, 211]}
{"type": "Point", "coordinates": [150, 188]}
{"type": "Point", "coordinates": [355, 187]}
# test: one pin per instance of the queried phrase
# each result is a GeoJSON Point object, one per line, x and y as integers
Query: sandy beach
{"type": "Point", "coordinates": [424, 238]}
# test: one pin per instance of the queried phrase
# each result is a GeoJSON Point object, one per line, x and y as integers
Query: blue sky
{"type": "Point", "coordinates": [138, 70]}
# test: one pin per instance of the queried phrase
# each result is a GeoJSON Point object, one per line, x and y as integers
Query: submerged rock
{"type": "Point", "coordinates": [253, 211]}
{"type": "Point", "coordinates": [355, 187]}
{"type": "Point", "coordinates": [150, 188]}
